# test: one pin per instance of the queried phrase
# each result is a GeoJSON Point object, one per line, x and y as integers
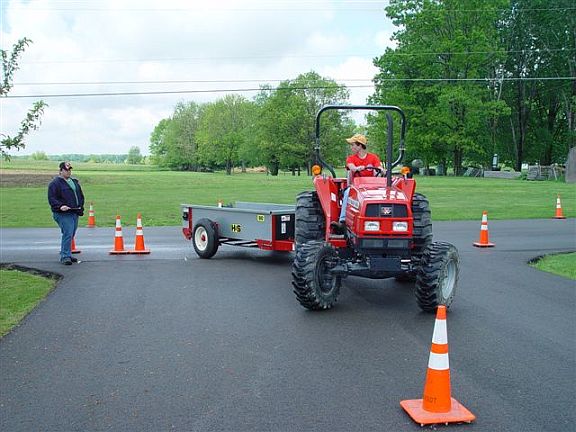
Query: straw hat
{"type": "Point", "coordinates": [358, 138]}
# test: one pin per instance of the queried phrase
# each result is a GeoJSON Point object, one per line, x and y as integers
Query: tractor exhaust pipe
{"type": "Point", "coordinates": [390, 122]}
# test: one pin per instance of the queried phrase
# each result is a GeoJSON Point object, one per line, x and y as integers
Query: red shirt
{"type": "Point", "coordinates": [370, 160]}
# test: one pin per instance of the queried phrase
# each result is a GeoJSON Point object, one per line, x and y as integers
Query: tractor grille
{"type": "Point", "coordinates": [386, 210]}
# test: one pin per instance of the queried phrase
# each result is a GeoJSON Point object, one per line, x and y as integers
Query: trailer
{"type": "Point", "coordinates": [247, 224]}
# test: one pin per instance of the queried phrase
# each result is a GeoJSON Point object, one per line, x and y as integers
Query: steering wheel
{"type": "Point", "coordinates": [378, 172]}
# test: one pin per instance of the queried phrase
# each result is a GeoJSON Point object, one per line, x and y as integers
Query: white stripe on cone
{"type": "Point", "coordinates": [440, 336]}
{"type": "Point", "coordinates": [438, 361]}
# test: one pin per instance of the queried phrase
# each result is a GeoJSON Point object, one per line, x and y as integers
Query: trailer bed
{"type": "Point", "coordinates": [249, 224]}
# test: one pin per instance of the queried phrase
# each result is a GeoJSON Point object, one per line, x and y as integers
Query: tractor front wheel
{"type": "Point", "coordinates": [422, 234]}
{"type": "Point", "coordinates": [316, 288]}
{"type": "Point", "coordinates": [437, 276]}
{"type": "Point", "coordinates": [310, 221]}
{"type": "Point", "coordinates": [205, 238]}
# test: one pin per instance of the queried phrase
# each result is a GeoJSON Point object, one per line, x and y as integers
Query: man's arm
{"type": "Point", "coordinates": [354, 168]}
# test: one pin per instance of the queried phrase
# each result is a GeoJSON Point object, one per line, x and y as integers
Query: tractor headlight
{"type": "Point", "coordinates": [399, 226]}
{"type": "Point", "coordinates": [371, 226]}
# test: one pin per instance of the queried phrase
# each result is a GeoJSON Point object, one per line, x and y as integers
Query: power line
{"type": "Point", "coordinates": [177, 82]}
{"type": "Point", "coordinates": [396, 54]}
{"type": "Point", "coordinates": [191, 59]}
{"type": "Point", "coordinates": [283, 9]}
{"type": "Point", "coordinates": [237, 90]}
{"type": "Point", "coordinates": [166, 92]}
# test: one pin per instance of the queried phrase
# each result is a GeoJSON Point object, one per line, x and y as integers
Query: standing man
{"type": "Point", "coordinates": [359, 163]}
{"type": "Point", "coordinates": [67, 202]}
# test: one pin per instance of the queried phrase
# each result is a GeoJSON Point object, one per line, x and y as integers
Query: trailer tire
{"type": "Point", "coordinates": [422, 235]}
{"type": "Point", "coordinates": [314, 286]}
{"type": "Point", "coordinates": [205, 238]}
{"type": "Point", "coordinates": [437, 276]}
{"type": "Point", "coordinates": [310, 221]}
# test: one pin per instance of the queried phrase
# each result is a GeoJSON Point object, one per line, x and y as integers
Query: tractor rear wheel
{"type": "Point", "coordinates": [205, 238]}
{"type": "Point", "coordinates": [310, 221]}
{"type": "Point", "coordinates": [315, 287]}
{"type": "Point", "coordinates": [437, 276]}
{"type": "Point", "coordinates": [422, 234]}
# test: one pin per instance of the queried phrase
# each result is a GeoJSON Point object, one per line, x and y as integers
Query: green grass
{"type": "Point", "coordinates": [561, 264]}
{"type": "Point", "coordinates": [128, 190]}
{"type": "Point", "coordinates": [52, 166]}
{"type": "Point", "coordinates": [20, 292]}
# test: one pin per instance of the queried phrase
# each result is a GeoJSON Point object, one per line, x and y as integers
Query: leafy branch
{"type": "Point", "coordinates": [32, 120]}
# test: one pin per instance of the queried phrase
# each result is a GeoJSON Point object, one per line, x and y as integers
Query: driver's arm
{"type": "Point", "coordinates": [353, 168]}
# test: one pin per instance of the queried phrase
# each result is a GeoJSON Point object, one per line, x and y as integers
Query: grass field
{"type": "Point", "coordinates": [20, 292]}
{"type": "Point", "coordinates": [128, 190]}
{"type": "Point", "coordinates": [561, 264]}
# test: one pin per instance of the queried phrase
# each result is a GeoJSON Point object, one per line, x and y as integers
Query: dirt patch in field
{"type": "Point", "coordinates": [13, 178]}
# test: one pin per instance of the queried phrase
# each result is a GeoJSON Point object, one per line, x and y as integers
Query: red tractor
{"type": "Point", "coordinates": [388, 231]}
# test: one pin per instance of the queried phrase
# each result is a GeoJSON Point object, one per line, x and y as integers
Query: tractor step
{"type": "Point", "coordinates": [337, 236]}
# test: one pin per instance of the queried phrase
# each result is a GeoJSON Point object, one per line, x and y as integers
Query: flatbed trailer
{"type": "Point", "coordinates": [247, 224]}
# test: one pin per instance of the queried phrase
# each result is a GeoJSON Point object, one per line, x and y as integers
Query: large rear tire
{"type": "Point", "coordinates": [310, 221]}
{"type": "Point", "coordinates": [422, 234]}
{"type": "Point", "coordinates": [437, 276]}
{"type": "Point", "coordinates": [315, 287]}
{"type": "Point", "coordinates": [205, 238]}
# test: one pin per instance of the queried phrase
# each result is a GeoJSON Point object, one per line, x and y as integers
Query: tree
{"type": "Point", "coordinates": [32, 119]}
{"type": "Point", "coordinates": [442, 47]}
{"type": "Point", "coordinates": [134, 156]}
{"type": "Point", "coordinates": [541, 42]}
{"type": "Point", "coordinates": [39, 155]}
{"type": "Point", "coordinates": [173, 141]}
{"type": "Point", "coordinates": [158, 146]}
{"type": "Point", "coordinates": [286, 121]}
{"type": "Point", "coordinates": [225, 131]}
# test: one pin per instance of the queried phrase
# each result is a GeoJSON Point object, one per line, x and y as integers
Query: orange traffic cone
{"type": "Point", "coordinates": [118, 239]}
{"type": "Point", "coordinates": [559, 214]}
{"type": "Point", "coordinates": [91, 218]}
{"type": "Point", "coordinates": [73, 247]}
{"type": "Point", "coordinates": [437, 405]}
{"type": "Point", "coordinates": [484, 242]}
{"type": "Point", "coordinates": [139, 247]}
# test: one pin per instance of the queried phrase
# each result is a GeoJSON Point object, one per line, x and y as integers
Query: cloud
{"type": "Point", "coordinates": [124, 43]}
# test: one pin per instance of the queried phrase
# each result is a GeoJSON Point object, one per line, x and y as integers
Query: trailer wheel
{"type": "Point", "coordinates": [437, 276]}
{"type": "Point", "coordinates": [422, 235]}
{"type": "Point", "coordinates": [310, 221]}
{"type": "Point", "coordinates": [205, 238]}
{"type": "Point", "coordinates": [315, 287]}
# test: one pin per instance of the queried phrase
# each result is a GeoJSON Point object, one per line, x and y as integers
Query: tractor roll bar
{"type": "Point", "coordinates": [389, 163]}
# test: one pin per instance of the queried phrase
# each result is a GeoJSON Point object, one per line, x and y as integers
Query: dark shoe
{"type": "Point", "coordinates": [338, 227]}
{"type": "Point", "coordinates": [67, 261]}
{"type": "Point", "coordinates": [74, 260]}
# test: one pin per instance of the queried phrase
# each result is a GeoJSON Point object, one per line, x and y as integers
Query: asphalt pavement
{"type": "Point", "coordinates": [168, 341]}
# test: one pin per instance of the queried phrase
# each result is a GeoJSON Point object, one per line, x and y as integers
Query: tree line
{"type": "Point", "coordinates": [475, 79]}
{"type": "Point", "coordinates": [275, 129]}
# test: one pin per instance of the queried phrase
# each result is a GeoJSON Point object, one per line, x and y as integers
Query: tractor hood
{"type": "Point", "coordinates": [374, 189]}
{"type": "Point", "coordinates": [381, 194]}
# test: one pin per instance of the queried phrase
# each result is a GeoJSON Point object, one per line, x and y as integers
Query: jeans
{"type": "Point", "coordinates": [68, 223]}
{"type": "Point", "coordinates": [342, 217]}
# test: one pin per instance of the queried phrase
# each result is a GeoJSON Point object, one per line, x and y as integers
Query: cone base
{"type": "Point", "coordinates": [90, 226]}
{"type": "Point", "coordinates": [121, 252]}
{"type": "Point", "coordinates": [559, 217]}
{"type": "Point", "coordinates": [478, 244]}
{"type": "Point", "coordinates": [144, 251]}
{"type": "Point", "coordinates": [75, 251]}
{"type": "Point", "coordinates": [457, 414]}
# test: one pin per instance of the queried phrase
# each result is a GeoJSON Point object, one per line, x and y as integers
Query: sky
{"type": "Point", "coordinates": [201, 49]}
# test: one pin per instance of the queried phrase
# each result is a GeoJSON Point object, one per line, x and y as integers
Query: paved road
{"type": "Point", "coordinates": [171, 342]}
